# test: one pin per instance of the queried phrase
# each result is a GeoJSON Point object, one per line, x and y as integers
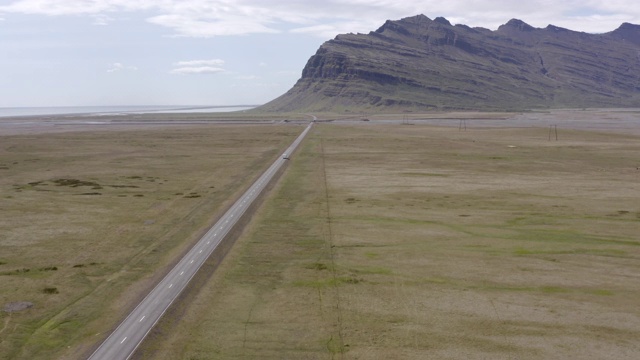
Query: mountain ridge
{"type": "Point", "coordinates": [416, 63]}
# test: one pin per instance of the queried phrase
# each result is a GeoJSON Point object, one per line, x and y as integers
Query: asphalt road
{"type": "Point", "coordinates": [124, 340]}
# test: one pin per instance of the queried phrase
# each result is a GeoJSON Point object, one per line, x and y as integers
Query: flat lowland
{"type": "Point", "coordinates": [418, 242]}
{"type": "Point", "coordinates": [90, 219]}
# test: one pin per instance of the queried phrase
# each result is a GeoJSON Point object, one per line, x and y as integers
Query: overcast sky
{"type": "Point", "coordinates": [219, 52]}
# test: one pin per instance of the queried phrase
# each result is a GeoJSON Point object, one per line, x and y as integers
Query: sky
{"type": "Point", "coordinates": [219, 52]}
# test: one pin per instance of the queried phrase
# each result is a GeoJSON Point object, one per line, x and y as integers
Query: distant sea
{"type": "Point", "coordinates": [115, 110]}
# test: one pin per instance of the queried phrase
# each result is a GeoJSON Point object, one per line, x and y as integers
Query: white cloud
{"type": "Point", "coordinates": [330, 30]}
{"type": "Point", "coordinates": [208, 18]}
{"type": "Point", "coordinates": [115, 67]}
{"type": "Point", "coordinates": [197, 70]}
{"type": "Point", "coordinates": [205, 26]}
{"type": "Point", "coordinates": [211, 62]}
{"type": "Point", "coordinates": [78, 7]}
{"type": "Point", "coordinates": [248, 77]}
{"type": "Point", "coordinates": [211, 66]}
{"type": "Point", "coordinates": [102, 19]}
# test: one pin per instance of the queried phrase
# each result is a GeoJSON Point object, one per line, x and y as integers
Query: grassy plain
{"type": "Point", "coordinates": [89, 219]}
{"type": "Point", "coordinates": [417, 242]}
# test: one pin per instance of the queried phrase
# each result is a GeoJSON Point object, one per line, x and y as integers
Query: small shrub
{"type": "Point", "coordinates": [351, 280]}
{"type": "Point", "coordinates": [317, 266]}
{"type": "Point", "coordinates": [74, 182]}
{"type": "Point", "coordinates": [50, 290]}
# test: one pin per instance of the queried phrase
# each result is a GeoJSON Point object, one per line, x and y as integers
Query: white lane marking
{"type": "Point", "coordinates": [170, 286]}
{"type": "Point", "coordinates": [182, 273]}
{"type": "Point", "coordinates": [208, 242]}
{"type": "Point", "coordinates": [125, 338]}
{"type": "Point", "coordinates": [215, 234]}
{"type": "Point", "coordinates": [191, 262]}
{"type": "Point", "coordinates": [199, 252]}
{"type": "Point", "coordinates": [142, 318]}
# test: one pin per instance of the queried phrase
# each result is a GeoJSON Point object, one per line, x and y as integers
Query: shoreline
{"type": "Point", "coordinates": [602, 120]}
{"type": "Point", "coordinates": [64, 111]}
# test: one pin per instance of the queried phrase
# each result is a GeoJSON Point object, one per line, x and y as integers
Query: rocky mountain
{"type": "Point", "coordinates": [421, 64]}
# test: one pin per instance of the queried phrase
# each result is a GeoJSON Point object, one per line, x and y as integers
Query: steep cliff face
{"type": "Point", "coordinates": [418, 64]}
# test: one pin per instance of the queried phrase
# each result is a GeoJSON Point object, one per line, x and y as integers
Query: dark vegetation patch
{"type": "Point", "coordinates": [27, 270]}
{"type": "Point", "coordinates": [16, 271]}
{"type": "Point", "coordinates": [317, 266]}
{"type": "Point", "coordinates": [84, 265]}
{"type": "Point", "coordinates": [50, 290]}
{"type": "Point", "coordinates": [74, 183]}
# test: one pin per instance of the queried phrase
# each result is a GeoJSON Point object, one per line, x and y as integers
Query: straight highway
{"type": "Point", "coordinates": [126, 338]}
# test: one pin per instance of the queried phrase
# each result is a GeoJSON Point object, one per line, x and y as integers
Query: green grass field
{"type": "Point", "coordinates": [414, 242]}
{"type": "Point", "coordinates": [89, 220]}
{"type": "Point", "coordinates": [379, 241]}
